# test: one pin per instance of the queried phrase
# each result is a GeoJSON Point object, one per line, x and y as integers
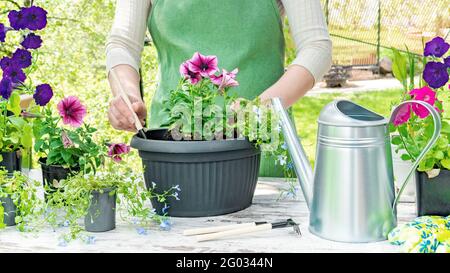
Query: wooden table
{"type": "Point", "coordinates": [265, 207]}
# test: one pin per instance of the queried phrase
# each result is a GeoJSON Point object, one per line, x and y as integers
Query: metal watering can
{"type": "Point", "coordinates": [351, 193]}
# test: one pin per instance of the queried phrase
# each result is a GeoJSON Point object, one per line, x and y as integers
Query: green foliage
{"type": "Point", "coordinates": [15, 130]}
{"type": "Point", "coordinates": [23, 193]}
{"type": "Point", "coordinates": [83, 150]}
{"type": "Point", "coordinates": [73, 198]}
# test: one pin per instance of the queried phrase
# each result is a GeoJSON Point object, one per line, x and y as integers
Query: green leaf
{"type": "Point", "coordinates": [396, 140]}
{"type": "Point", "coordinates": [406, 157]}
{"type": "Point", "coordinates": [27, 136]}
{"type": "Point", "coordinates": [446, 163]}
{"type": "Point", "coordinates": [14, 104]}
{"type": "Point", "coordinates": [399, 68]}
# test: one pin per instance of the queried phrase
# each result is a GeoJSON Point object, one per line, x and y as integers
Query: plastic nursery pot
{"type": "Point", "coordinates": [9, 211]}
{"type": "Point", "coordinates": [433, 194]}
{"type": "Point", "coordinates": [101, 215]}
{"type": "Point", "coordinates": [56, 173]}
{"type": "Point", "coordinates": [215, 177]}
{"type": "Point", "coordinates": [12, 161]}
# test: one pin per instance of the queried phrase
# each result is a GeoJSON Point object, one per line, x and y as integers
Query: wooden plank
{"type": "Point", "coordinates": [265, 208]}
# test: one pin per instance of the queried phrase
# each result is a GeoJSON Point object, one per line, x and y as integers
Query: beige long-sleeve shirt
{"type": "Point", "coordinates": [306, 20]}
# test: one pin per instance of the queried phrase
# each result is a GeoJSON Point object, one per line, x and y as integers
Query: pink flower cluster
{"type": "Point", "coordinates": [425, 94]}
{"type": "Point", "coordinates": [205, 67]}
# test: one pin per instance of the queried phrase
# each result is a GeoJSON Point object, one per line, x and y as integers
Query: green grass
{"type": "Point", "coordinates": [307, 110]}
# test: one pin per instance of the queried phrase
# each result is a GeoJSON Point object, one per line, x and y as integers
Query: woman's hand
{"type": "Point", "coordinates": [121, 117]}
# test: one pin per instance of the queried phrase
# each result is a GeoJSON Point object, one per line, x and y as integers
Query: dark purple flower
{"type": "Point", "coordinates": [117, 149]}
{"type": "Point", "coordinates": [22, 58]}
{"type": "Point", "coordinates": [43, 94]}
{"type": "Point", "coordinates": [32, 41]}
{"type": "Point", "coordinates": [447, 61]}
{"type": "Point", "coordinates": [6, 88]}
{"type": "Point", "coordinates": [35, 18]}
{"type": "Point", "coordinates": [5, 62]}
{"type": "Point", "coordinates": [14, 73]}
{"type": "Point", "coordinates": [2, 32]}
{"type": "Point", "coordinates": [436, 47]}
{"type": "Point", "coordinates": [435, 74]}
{"type": "Point", "coordinates": [16, 19]}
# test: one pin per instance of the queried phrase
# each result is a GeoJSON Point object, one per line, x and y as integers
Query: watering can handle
{"type": "Point", "coordinates": [437, 131]}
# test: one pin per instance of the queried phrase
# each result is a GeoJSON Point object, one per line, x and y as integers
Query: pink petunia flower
{"type": "Point", "coordinates": [205, 65]}
{"type": "Point", "coordinates": [403, 115]}
{"type": "Point", "coordinates": [72, 111]}
{"type": "Point", "coordinates": [193, 77]}
{"type": "Point", "coordinates": [425, 94]}
{"type": "Point", "coordinates": [117, 149]}
{"type": "Point", "coordinates": [226, 79]}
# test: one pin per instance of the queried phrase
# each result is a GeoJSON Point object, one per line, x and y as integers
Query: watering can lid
{"type": "Point", "coordinates": [349, 114]}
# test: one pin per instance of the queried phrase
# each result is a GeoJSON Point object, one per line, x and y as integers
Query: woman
{"type": "Point", "coordinates": [244, 34]}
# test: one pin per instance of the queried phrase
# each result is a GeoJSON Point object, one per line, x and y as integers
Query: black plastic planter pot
{"type": "Point", "coordinates": [56, 173]}
{"type": "Point", "coordinates": [101, 216]}
{"type": "Point", "coordinates": [9, 211]}
{"type": "Point", "coordinates": [433, 195]}
{"type": "Point", "coordinates": [215, 177]}
{"type": "Point", "coordinates": [12, 161]}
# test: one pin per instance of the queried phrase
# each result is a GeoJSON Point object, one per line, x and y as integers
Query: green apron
{"type": "Point", "coordinates": [244, 34]}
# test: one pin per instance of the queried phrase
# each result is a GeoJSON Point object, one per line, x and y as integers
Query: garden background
{"type": "Point", "coordinates": [72, 59]}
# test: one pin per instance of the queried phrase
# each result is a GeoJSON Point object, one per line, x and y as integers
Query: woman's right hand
{"type": "Point", "coordinates": [121, 118]}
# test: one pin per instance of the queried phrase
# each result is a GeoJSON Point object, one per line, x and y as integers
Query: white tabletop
{"type": "Point", "coordinates": [265, 207]}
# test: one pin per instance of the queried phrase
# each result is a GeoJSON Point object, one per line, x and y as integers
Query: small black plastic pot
{"type": "Point", "coordinates": [433, 194]}
{"type": "Point", "coordinates": [215, 177]}
{"type": "Point", "coordinates": [101, 216]}
{"type": "Point", "coordinates": [12, 161]}
{"type": "Point", "coordinates": [56, 173]}
{"type": "Point", "coordinates": [10, 210]}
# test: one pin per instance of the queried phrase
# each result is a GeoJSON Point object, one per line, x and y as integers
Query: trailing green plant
{"type": "Point", "coordinates": [413, 124]}
{"type": "Point", "coordinates": [23, 192]}
{"type": "Point", "coordinates": [69, 200]}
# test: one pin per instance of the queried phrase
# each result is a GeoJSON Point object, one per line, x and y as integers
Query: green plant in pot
{"type": "Point", "coordinates": [19, 201]}
{"type": "Point", "coordinates": [209, 145]}
{"type": "Point", "coordinates": [414, 127]}
{"type": "Point", "coordinates": [18, 59]}
{"type": "Point", "coordinates": [64, 142]}
{"type": "Point", "coordinates": [87, 202]}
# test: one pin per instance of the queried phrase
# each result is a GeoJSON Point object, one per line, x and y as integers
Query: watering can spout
{"type": "Point", "coordinates": [302, 166]}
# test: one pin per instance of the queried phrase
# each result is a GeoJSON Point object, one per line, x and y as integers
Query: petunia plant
{"type": "Point", "coordinates": [65, 139]}
{"type": "Point", "coordinates": [414, 124]}
{"type": "Point", "coordinates": [203, 108]}
{"type": "Point", "coordinates": [17, 63]}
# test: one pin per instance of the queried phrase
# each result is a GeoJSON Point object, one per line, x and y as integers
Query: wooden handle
{"type": "Point", "coordinates": [125, 97]}
{"type": "Point", "coordinates": [227, 233]}
{"type": "Point", "coordinates": [197, 231]}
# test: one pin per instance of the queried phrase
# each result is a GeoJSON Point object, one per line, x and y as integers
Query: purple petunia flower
{"type": "Point", "coordinates": [35, 18]}
{"type": "Point", "coordinates": [205, 65]}
{"type": "Point", "coordinates": [32, 41]}
{"type": "Point", "coordinates": [2, 32]}
{"type": "Point", "coordinates": [193, 77]}
{"type": "Point", "coordinates": [22, 58]}
{"type": "Point", "coordinates": [226, 79]}
{"type": "Point", "coordinates": [14, 73]}
{"type": "Point", "coordinates": [67, 142]}
{"type": "Point", "coordinates": [6, 88]}
{"type": "Point", "coordinates": [436, 47]}
{"type": "Point", "coordinates": [117, 149]}
{"type": "Point", "coordinates": [435, 74]}
{"type": "Point", "coordinates": [16, 19]}
{"type": "Point", "coordinates": [447, 61]}
{"type": "Point", "coordinates": [72, 111]}
{"type": "Point", "coordinates": [43, 94]}
{"type": "Point", "coordinates": [5, 62]}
